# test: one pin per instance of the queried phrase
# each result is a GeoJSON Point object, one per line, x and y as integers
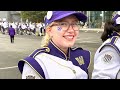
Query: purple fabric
{"type": "Point", "coordinates": [11, 31]}
{"type": "Point", "coordinates": [33, 63]}
{"type": "Point", "coordinates": [114, 19]}
{"type": "Point", "coordinates": [112, 43]}
{"type": "Point", "coordinates": [72, 54]}
{"type": "Point", "coordinates": [86, 56]}
{"type": "Point", "coordinates": [61, 14]}
{"type": "Point", "coordinates": [36, 51]}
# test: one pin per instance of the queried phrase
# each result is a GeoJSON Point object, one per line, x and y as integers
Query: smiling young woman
{"type": "Point", "coordinates": [57, 59]}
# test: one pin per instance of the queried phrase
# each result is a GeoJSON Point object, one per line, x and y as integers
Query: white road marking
{"type": "Point", "coordinates": [9, 67]}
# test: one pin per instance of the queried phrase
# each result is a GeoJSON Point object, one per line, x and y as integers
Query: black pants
{"type": "Point", "coordinates": [12, 39]}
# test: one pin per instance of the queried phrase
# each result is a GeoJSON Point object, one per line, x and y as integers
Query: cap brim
{"type": "Point", "coordinates": [79, 15]}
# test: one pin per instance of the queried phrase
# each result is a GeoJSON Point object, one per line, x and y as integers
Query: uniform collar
{"type": "Point", "coordinates": [56, 51]}
{"type": "Point", "coordinates": [114, 34]}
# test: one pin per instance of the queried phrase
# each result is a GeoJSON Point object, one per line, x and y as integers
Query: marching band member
{"type": "Point", "coordinates": [57, 59]}
{"type": "Point", "coordinates": [107, 57]}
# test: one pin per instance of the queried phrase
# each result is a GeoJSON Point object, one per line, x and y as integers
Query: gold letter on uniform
{"type": "Point", "coordinates": [80, 60]}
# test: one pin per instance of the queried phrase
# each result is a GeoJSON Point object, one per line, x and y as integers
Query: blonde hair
{"type": "Point", "coordinates": [46, 38]}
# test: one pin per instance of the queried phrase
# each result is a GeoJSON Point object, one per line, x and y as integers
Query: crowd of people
{"type": "Point", "coordinates": [22, 28]}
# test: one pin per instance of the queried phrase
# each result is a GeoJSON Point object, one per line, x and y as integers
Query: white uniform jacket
{"type": "Point", "coordinates": [107, 59]}
{"type": "Point", "coordinates": [52, 63]}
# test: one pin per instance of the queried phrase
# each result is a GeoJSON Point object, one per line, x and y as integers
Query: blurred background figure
{"type": "Point", "coordinates": [11, 32]}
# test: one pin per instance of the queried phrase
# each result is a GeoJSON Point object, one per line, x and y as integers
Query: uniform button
{"type": "Point", "coordinates": [74, 71]}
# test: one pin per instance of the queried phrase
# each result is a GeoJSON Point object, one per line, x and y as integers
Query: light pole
{"type": "Point", "coordinates": [88, 15]}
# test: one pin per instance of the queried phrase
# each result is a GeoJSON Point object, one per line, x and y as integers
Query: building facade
{"type": "Point", "coordinates": [97, 18]}
{"type": "Point", "coordinates": [10, 16]}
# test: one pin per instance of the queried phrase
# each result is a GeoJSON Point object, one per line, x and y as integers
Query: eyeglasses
{"type": "Point", "coordinates": [65, 26]}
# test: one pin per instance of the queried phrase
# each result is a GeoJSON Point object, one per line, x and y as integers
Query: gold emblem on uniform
{"type": "Point", "coordinates": [30, 77]}
{"type": "Point", "coordinates": [80, 60]}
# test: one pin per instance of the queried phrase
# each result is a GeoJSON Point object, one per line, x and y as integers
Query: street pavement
{"type": "Point", "coordinates": [11, 53]}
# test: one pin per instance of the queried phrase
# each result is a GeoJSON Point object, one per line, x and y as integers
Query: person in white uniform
{"type": "Point", "coordinates": [57, 58]}
{"type": "Point", "coordinates": [107, 57]}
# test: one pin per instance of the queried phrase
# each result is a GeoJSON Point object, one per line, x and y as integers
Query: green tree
{"type": "Point", "coordinates": [34, 16]}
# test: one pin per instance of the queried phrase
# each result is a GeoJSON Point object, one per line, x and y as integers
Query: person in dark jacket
{"type": "Point", "coordinates": [11, 32]}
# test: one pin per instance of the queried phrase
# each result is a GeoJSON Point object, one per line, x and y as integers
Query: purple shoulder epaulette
{"type": "Point", "coordinates": [30, 60]}
{"type": "Point", "coordinates": [112, 44]}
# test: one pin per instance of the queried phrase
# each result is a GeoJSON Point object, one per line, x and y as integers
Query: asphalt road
{"type": "Point", "coordinates": [10, 54]}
